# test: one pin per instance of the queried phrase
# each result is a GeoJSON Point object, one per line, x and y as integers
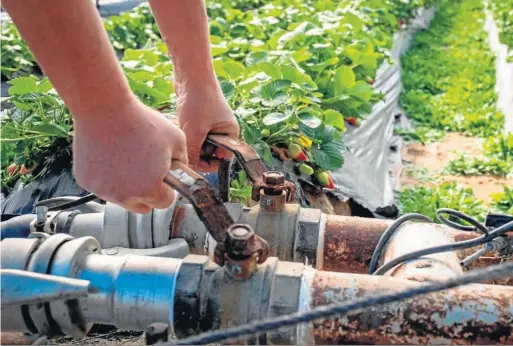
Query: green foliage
{"type": "Point", "coordinates": [426, 200]}
{"type": "Point", "coordinates": [292, 71]}
{"type": "Point", "coordinates": [469, 165]}
{"type": "Point", "coordinates": [503, 14]}
{"type": "Point", "coordinates": [133, 29]}
{"type": "Point", "coordinates": [240, 190]}
{"type": "Point", "coordinates": [503, 201]}
{"type": "Point", "coordinates": [38, 125]}
{"type": "Point", "coordinates": [16, 57]}
{"type": "Point", "coordinates": [499, 159]}
{"type": "Point", "coordinates": [500, 147]}
{"type": "Point", "coordinates": [449, 74]}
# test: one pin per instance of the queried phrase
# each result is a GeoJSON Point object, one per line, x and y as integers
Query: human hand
{"type": "Point", "coordinates": [122, 155]}
{"type": "Point", "coordinates": [200, 112]}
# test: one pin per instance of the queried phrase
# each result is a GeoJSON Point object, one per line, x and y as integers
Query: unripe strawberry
{"type": "Point", "coordinates": [306, 169]}
{"type": "Point", "coordinates": [265, 133]}
{"type": "Point", "coordinates": [324, 178]}
{"type": "Point", "coordinates": [296, 152]}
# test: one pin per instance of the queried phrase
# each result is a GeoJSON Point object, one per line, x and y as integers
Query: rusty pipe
{"type": "Point", "coordinates": [475, 314]}
{"type": "Point", "coordinates": [435, 267]}
{"type": "Point", "coordinates": [328, 242]}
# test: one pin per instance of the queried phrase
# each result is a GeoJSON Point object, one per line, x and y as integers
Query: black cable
{"type": "Point", "coordinates": [491, 273]}
{"type": "Point", "coordinates": [445, 248]}
{"type": "Point", "coordinates": [75, 203]}
{"type": "Point", "coordinates": [388, 233]}
{"type": "Point", "coordinates": [476, 225]}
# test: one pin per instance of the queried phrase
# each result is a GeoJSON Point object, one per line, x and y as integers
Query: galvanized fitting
{"type": "Point", "coordinates": [244, 250]}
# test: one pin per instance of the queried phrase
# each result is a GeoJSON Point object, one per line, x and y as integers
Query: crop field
{"type": "Point", "coordinates": [298, 75]}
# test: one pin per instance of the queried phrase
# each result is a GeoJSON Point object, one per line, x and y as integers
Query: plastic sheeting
{"type": "Point", "coordinates": [503, 72]}
{"type": "Point", "coordinates": [372, 158]}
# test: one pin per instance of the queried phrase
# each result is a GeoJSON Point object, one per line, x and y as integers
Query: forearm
{"type": "Point", "coordinates": [184, 27]}
{"type": "Point", "coordinates": [73, 50]}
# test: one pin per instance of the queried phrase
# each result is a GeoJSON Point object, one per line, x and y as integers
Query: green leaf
{"type": "Point", "coordinates": [309, 119]}
{"type": "Point", "coordinates": [234, 68]}
{"type": "Point", "coordinates": [254, 58]}
{"type": "Point", "coordinates": [329, 156]}
{"type": "Point", "coordinates": [361, 91]}
{"type": "Point", "coordinates": [335, 119]}
{"type": "Point", "coordinates": [50, 129]}
{"type": "Point", "coordinates": [271, 70]}
{"type": "Point", "coordinates": [228, 89]}
{"type": "Point", "coordinates": [44, 86]}
{"type": "Point", "coordinates": [163, 85]}
{"type": "Point", "coordinates": [23, 86]}
{"type": "Point", "coordinates": [263, 150]}
{"type": "Point", "coordinates": [343, 80]}
{"type": "Point", "coordinates": [275, 118]}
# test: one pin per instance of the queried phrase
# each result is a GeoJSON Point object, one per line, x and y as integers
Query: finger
{"type": "Point", "coordinates": [162, 198]}
{"type": "Point", "coordinates": [223, 153]}
{"type": "Point", "coordinates": [209, 166]}
{"type": "Point", "coordinates": [139, 208]}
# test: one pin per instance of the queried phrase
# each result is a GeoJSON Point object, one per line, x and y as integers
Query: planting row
{"type": "Point", "coordinates": [294, 72]}
{"type": "Point", "coordinates": [503, 15]}
{"type": "Point", "coordinates": [449, 81]}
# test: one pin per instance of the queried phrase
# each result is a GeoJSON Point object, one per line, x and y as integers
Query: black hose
{"type": "Point", "coordinates": [445, 248]}
{"type": "Point", "coordinates": [388, 233]}
{"type": "Point", "coordinates": [476, 225]}
{"type": "Point", "coordinates": [72, 204]}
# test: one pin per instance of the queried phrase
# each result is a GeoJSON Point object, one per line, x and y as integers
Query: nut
{"type": "Point", "coordinates": [237, 238]}
{"type": "Point", "coordinates": [273, 178]}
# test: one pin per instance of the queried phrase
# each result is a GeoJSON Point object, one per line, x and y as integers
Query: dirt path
{"type": "Point", "coordinates": [424, 165]}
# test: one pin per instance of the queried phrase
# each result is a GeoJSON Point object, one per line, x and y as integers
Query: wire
{"type": "Point", "coordinates": [388, 233]}
{"type": "Point", "coordinates": [491, 273]}
{"type": "Point", "coordinates": [67, 205]}
{"type": "Point", "coordinates": [445, 248]}
{"type": "Point", "coordinates": [476, 225]}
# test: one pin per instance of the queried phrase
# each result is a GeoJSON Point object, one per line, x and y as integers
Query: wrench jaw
{"type": "Point", "coordinates": [248, 250]}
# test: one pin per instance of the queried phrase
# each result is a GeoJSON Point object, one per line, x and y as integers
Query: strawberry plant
{"type": "Point", "coordinates": [503, 201]}
{"type": "Point", "coordinates": [36, 128]}
{"type": "Point", "coordinates": [16, 57]}
{"type": "Point", "coordinates": [449, 74]}
{"type": "Point", "coordinates": [426, 200]}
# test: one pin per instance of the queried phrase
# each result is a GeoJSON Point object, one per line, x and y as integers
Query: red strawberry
{"type": "Point", "coordinates": [296, 152]}
{"type": "Point", "coordinates": [371, 81]}
{"type": "Point", "coordinates": [402, 22]}
{"type": "Point", "coordinates": [12, 169]}
{"type": "Point", "coordinates": [353, 121]}
{"type": "Point", "coordinates": [324, 178]}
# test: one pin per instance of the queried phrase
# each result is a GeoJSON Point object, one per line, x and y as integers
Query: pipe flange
{"type": "Point", "coordinates": [115, 226]}
{"type": "Point", "coordinates": [66, 263]}
{"type": "Point", "coordinates": [40, 263]}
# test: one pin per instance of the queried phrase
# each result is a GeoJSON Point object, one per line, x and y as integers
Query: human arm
{"type": "Point", "coordinates": [201, 106]}
{"type": "Point", "coordinates": [122, 149]}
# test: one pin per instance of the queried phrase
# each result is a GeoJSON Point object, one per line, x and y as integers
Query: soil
{"type": "Point", "coordinates": [434, 157]}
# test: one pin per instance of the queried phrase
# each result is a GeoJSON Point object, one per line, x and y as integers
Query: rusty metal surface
{"type": "Point", "coordinates": [414, 236]}
{"type": "Point", "coordinates": [349, 243]}
{"type": "Point", "coordinates": [474, 314]}
{"type": "Point", "coordinates": [207, 204]}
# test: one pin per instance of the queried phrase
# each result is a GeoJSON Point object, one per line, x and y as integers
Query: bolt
{"type": "Point", "coordinates": [273, 178]}
{"type": "Point", "coordinates": [41, 214]}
